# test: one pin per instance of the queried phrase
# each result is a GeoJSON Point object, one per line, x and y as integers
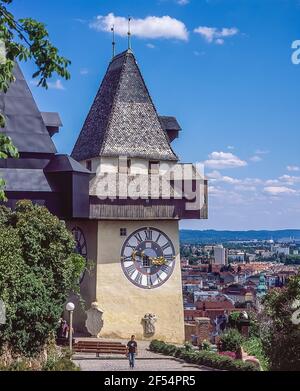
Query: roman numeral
{"type": "Point", "coordinates": [149, 234]}
{"type": "Point", "coordinates": [138, 238]}
{"type": "Point", "coordinates": [159, 236]}
{"type": "Point", "coordinates": [129, 258]}
{"type": "Point", "coordinates": [130, 270]}
{"type": "Point", "coordinates": [84, 251]}
{"type": "Point", "coordinates": [167, 245]}
{"type": "Point", "coordinates": [158, 278]}
{"type": "Point", "coordinates": [130, 246]}
{"type": "Point", "coordinates": [76, 235]}
{"type": "Point", "coordinates": [166, 269]}
{"type": "Point", "coordinates": [169, 257]}
{"type": "Point", "coordinates": [138, 279]}
{"type": "Point", "coordinates": [149, 281]}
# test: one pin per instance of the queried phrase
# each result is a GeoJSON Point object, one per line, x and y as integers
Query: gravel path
{"type": "Point", "coordinates": [146, 361]}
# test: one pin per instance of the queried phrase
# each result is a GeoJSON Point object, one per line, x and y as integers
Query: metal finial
{"type": "Point", "coordinates": [113, 42]}
{"type": "Point", "coordinates": [129, 33]}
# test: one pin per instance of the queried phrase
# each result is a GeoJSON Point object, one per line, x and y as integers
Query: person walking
{"type": "Point", "coordinates": [132, 351]}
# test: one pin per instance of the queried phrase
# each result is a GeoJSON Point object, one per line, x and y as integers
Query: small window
{"type": "Point", "coordinates": [153, 167]}
{"type": "Point", "coordinates": [123, 231]}
{"type": "Point", "coordinates": [89, 165]}
{"type": "Point", "coordinates": [146, 262]}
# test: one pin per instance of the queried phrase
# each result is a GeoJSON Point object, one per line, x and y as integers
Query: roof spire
{"type": "Point", "coordinates": [113, 42]}
{"type": "Point", "coordinates": [129, 33]}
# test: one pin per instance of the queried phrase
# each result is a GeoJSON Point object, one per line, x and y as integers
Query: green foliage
{"type": "Point", "coordinates": [56, 361]}
{"type": "Point", "coordinates": [28, 39]}
{"type": "Point", "coordinates": [25, 39]}
{"type": "Point", "coordinates": [231, 340]}
{"type": "Point", "coordinates": [280, 335]}
{"type": "Point", "coordinates": [60, 362]}
{"type": "Point", "coordinates": [206, 345]}
{"type": "Point", "coordinates": [38, 270]}
{"type": "Point", "coordinates": [206, 358]}
{"type": "Point", "coordinates": [253, 347]}
{"type": "Point", "coordinates": [7, 149]}
{"type": "Point", "coordinates": [234, 318]}
{"type": "Point", "coordinates": [188, 346]}
{"type": "Point", "coordinates": [254, 327]}
{"type": "Point", "coordinates": [236, 323]}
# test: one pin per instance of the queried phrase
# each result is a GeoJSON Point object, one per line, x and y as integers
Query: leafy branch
{"type": "Point", "coordinates": [25, 39]}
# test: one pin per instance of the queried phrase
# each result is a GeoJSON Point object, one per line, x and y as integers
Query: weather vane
{"type": "Point", "coordinates": [129, 33]}
{"type": "Point", "coordinates": [113, 42]}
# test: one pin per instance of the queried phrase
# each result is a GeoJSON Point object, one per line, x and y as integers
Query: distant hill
{"type": "Point", "coordinates": [212, 236]}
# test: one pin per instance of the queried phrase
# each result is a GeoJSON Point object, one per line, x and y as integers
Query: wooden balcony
{"type": "Point", "coordinates": [149, 197]}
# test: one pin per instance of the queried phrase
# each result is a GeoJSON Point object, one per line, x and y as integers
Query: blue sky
{"type": "Point", "coordinates": [222, 67]}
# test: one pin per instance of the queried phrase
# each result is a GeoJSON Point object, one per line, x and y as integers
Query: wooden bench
{"type": "Point", "coordinates": [100, 347]}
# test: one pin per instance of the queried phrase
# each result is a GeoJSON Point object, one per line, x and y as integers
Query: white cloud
{"type": "Point", "coordinates": [219, 41]}
{"type": "Point", "coordinates": [291, 180]}
{"type": "Point", "coordinates": [216, 191]}
{"type": "Point", "coordinates": [84, 71]}
{"type": "Point", "coordinates": [245, 188]}
{"type": "Point", "coordinates": [252, 181]}
{"type": "Point", "coordinates": [271, 182]}
{"type": "Point", "coordinates": [256, 159]}
{"type": "Point", "coordinates": [216, 176]}
{"type": "Point", "coordinates": [215, 35]}
{"type": "Point", "coordinates": [293, 168]}
{"type": "Point", "coordinates": [261, 152]}
{"type": "Point", "coordinates": [149, 27]}
{"type": "Point", "coordinates": [57, 85]}
{"type": "Point", "coordinates": [150, 46]}
{"type": "Point", "coordinates": [277, 190]}
{"type": "Point", "coordinates": [79, 20]}
{"type": "Point", "coordinates": [230, 147]}
{"type": "Point", "coordinates": [182, 2]}
{"type": "Point", "coordinates": [222, 160]}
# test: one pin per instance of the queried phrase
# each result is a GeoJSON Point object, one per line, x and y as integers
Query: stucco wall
{"type": "Point", "coordinates": [123, 303]}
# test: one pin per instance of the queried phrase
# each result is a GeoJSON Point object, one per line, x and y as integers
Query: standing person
{"type": "Point", "coordinates": [132, 351]}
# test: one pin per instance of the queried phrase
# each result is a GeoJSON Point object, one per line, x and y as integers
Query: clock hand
{"type": "Point", "coordinates": [158, 261]}
{"type": "Point", "coordinates": [138, 254]}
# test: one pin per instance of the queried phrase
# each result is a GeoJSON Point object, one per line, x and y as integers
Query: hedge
{"type": "Point", "coordinates": [206, 358]}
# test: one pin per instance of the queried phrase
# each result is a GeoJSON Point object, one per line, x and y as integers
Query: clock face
{"type": "Point", "coordinates": [148, 258]}
{"type": "Point", "coordinates": [81, 246]}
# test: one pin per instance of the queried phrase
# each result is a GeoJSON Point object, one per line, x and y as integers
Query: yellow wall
{"type": "Point", "coordinates": [123, 303]}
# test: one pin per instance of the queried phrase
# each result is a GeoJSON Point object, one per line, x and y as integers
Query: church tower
{"type": "Point", "coordinates": [138, 193]}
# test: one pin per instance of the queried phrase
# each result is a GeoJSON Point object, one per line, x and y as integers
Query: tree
{"type": "Point", "coordinates": [38, 271]}
{"type": "Point", "coordinates": [24, 39]}
{"type": "Point", "coordinates": [279, 324]}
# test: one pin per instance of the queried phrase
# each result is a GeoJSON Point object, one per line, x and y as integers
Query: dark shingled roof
{"type": "Point", "coordinates": [123, 120]}
{"type": "Point", "coordinates": [29, 180]}
{"type": "Point", "coordinates": [24, 122]}
{"type": "Point", "coordinates": [64, 163]}
{"type": "Point", "coordinates": [169, 123]}
{"type": "Point", "coordinates": [51, 119]}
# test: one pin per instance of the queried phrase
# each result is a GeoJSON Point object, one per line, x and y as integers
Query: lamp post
{"type": "Point", "coordinates": [70, 307]}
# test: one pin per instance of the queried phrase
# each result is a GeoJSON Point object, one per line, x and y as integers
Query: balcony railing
{"type": "Point", "coordinates": [180, 193]}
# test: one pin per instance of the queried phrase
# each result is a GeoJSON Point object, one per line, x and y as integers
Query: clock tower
{"type": "Point", "coordinates": [138, 193]}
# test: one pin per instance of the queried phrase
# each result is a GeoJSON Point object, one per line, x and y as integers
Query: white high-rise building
{"type": "Point", "coordinates": [220, 254]}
